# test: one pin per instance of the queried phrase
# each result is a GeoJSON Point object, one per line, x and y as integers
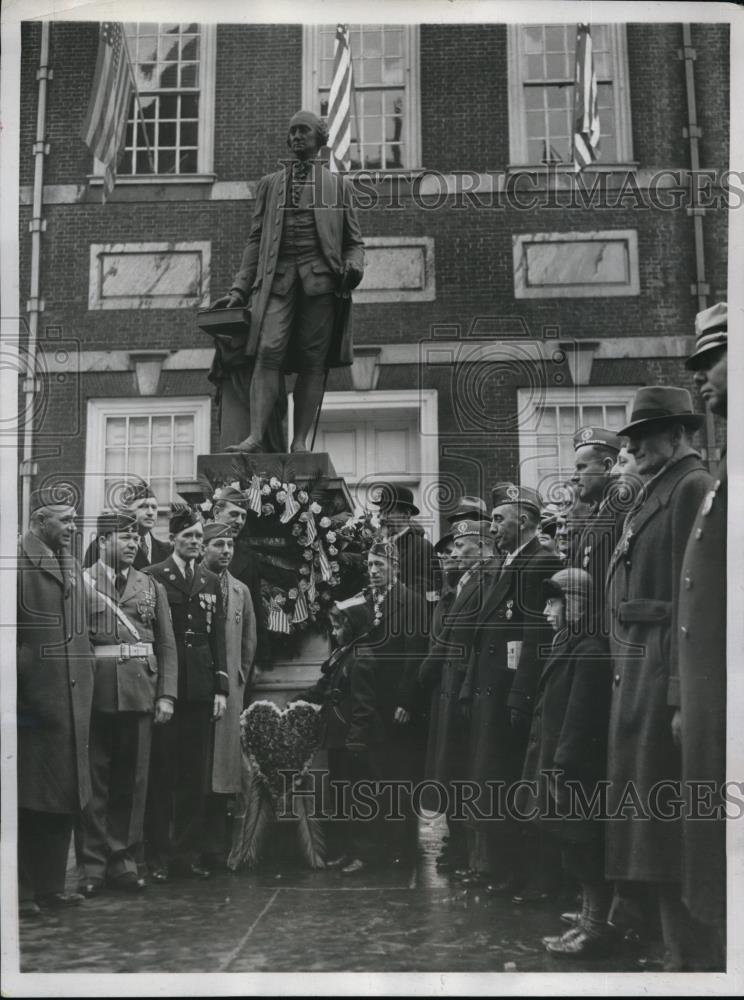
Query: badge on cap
{"type": "Point", "coordinates": [461, 527]}
{"type": "Point", "coordinates": [587, 434]}
{"type": "Point", "coordinates": [512, 492]}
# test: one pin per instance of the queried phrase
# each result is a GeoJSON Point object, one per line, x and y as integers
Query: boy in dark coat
{"type": "Point", "coordinates": [567, 753]}
{"type": "Point", "coordinates": [351, 619]}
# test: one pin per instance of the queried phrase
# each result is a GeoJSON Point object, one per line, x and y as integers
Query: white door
{"type": "Point", "coordinates": [384, 437]}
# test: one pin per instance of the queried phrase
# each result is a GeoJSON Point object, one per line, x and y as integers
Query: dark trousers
{"type": "Point", "coordinates": [43, 846]}
{"type": "Point", "coordinates": [110, 829]}
{"type": "Point", "coordinates": [176, 797]}
{"type": "Point", "coordinates": [297, 330]}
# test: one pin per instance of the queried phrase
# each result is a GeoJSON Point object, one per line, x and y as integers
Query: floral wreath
{"type": "Point", "coordinates": [328, 550]}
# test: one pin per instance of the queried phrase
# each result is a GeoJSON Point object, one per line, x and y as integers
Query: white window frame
{"type": "Point", "coordinates": [528, 400]}
{"type": "Point", "coordinates": [412, 106]}
{"type": "Point", "coordinates": [205, 155]}
{"type": "Point", "coordinates": [422, 402]}
{"type": "Point", "coordinates": [621, 96]}
{"type": "Point", "coordinates": [199, 407]}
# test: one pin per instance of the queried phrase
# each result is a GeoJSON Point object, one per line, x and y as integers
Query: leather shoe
{"type": "Point", "coordinates": [357, 865]}
{"type": "Point", "coordinates": [159, 874]}
{"type": "Point", "coordinates": [530, 896]}
{"type": "Point", "coordinates": [553, 938]}
{"type": "Point", "coordinates": [28, 908]}
{"type": "Point", "coordinates": [90, 888]}
{"type": "Point", "coordinates": [461, 873]}
{"type": "Point", "coordinates": [58, 899]}
{"type": "Point", "coordinates": [338, 862]}
{"type": "Point", "coordinates": [580, 945]}
{"type": "Point", "coordinates": [128, 882]}
{"type": "Point", "coordinates": [477, 880]}
{"type": "Point", "coordinates": [505, 888]}
{"type": "Point", "coordinates": [571, 918]}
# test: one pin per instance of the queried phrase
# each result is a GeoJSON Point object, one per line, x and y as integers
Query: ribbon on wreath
{"type": "Point", "coordinates": [312, 531]}
{"type": "Point", "coordinates": [253, 495]}
{"type": "Point", "coordinates": [301, 612]}
{"type": "Point", "coordinates": [291, 507]}
{"type": "Point", "coordinates": [326, 573]}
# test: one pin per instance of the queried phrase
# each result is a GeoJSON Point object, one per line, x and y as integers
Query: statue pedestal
{"type": "Point", "coordinates": [315, 473]}
{"type": "Point", "coordinates": [308, 470]}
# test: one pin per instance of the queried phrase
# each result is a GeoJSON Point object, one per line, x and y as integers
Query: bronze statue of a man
{"type": "Point", "coordinates": [304, 251]}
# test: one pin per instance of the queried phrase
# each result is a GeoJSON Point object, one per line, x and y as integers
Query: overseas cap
{"type": "Point", "coordinates": [387, 550]}
{"type": "Point", "coordinates": [216, 530]}
{"type": "Point", "coordinates": [468, 529]}
{"type": "Point", "coordinates": [511, 493]}
{"type": "Point", "coordinates": [469, 509]}
{"type": "Point", "coordinates": [596, 435]}
{"type": "Point", "coordinates": [110, 521]}
{"type": "Point", "coordinates": [52, 496]}
{"type": "Point", "coordinates": [182, 517]}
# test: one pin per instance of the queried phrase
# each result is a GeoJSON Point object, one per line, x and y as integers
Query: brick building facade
{"type": "Point", "coordinates": [489, 324]}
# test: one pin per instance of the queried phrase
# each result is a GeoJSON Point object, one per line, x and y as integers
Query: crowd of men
{"type": "Point", "coordinates": [525, 645]}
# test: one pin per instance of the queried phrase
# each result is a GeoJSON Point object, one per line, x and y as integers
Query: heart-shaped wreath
{"type": "Point", "coordinates": [278, 745]}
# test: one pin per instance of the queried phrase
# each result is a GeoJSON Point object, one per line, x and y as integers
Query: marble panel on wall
{"type": "Point", "coordinates": [567, 265]}
{"type": "Point", "coordinates": [397, 269]}
{"type": "Point", "coordinates": [150, 275]}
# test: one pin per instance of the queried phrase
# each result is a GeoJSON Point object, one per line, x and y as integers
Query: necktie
{"type": "Point", "coordinates": [223, 588]}
{"type": "Point", "coordinates": [189, 573]}
{"type": "Point", "coordinates": [143, 547]}
{"type": "Point", "coordinates": [120, 583]}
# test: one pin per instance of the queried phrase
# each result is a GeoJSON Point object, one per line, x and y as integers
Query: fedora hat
{"type": "Point", "coordinates": [387, 496]}
{"type": "Point", "coordinates": [469, 509]}
{"type": "Point", "coordinates": [711, 333]}
{"type": "Point", "coordinates": [659, 404]}
{"type": "Point", "coordinates": [443, 542]}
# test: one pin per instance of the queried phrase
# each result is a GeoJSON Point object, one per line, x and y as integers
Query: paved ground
{"type": "Point", "coordinates": [296, 920]}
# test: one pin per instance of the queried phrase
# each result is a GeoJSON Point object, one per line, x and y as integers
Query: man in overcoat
{"type": "Point", "coordinates": [644, 843]}
{"type": "Point", "coordinates": [136, 684]}
{"type": "Point", "coordinates": [509, 648]}
{"type": "Point", "coordinates": [54, 699]}
{"type": "Point", "coordinates": [181, 751]}
{"type": "Point", "coordinates": [699, 691]}
{"type": "Point", "coordinates": [453, 629]}
{"type": "Point", "coordinates": [240, 650]}
{"type": "Point", "coordinates": [304, 248]}
{"type": "Point", "coordinates": [418, 569]}
{"type": "Point", "coordinates": [397, 643]}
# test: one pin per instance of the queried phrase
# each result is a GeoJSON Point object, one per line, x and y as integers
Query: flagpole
{"type": "Point", "coordinates": [139, 103]}
{"type": "Point", "coordinates": [353, 96]}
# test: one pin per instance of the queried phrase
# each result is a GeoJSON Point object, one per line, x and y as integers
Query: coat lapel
{"type": "Point", "coordinates": [102, 582]}
{"type": "Point", "coordinates": [175, 577]}
{"type": "Point", "coordinates": [42, 556]}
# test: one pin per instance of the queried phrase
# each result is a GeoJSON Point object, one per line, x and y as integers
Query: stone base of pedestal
{"type": "Point", "coordinates": [289, 676]}
{"type": "Point", "coordinates": [307, 469]}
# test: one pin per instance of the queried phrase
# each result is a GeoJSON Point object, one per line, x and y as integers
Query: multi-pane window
{"type": "Point", "coordinates": [168, 63]}
{"type": "Point", "coordinates": [548, 426]}
{"type": "Point", "coordinates": [543, 71]}
{"type": "Point", "coordinates": [383, 111]}
{"type": "Point", "coordinates": [157, 440]}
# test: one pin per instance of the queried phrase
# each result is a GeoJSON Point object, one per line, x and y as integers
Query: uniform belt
{"type": "Point", "coordinates": [124, 650]}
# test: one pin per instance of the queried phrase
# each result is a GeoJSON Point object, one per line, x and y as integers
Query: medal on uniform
{"type": "Point", "coordinates": [587, 554]}
{"type": "Point", "coordinates": [509, 613]}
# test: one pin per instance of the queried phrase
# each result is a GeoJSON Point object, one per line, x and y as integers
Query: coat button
{"type": "Point", "coordinates": [617, 680]}
{"type": "Point", "coordinates": [699, 533]}
{"type": "Point", "coordinates": [688, 583]}
{"type": "Point", "coordinates": [73, 682]}
{"type": "Point", "coordinates": [683, 630]}
{"type": "Point", "coordinates": [189, 617]}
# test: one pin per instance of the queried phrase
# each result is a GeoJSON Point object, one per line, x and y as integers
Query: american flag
{"type": "Point", "coordinates": [339, 103]}
{"type": "Point", "coordinates": [586, 116]}
{"type": "Point", "coordinates": [106, 119]}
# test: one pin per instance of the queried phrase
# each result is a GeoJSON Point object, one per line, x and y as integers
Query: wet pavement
{"type": "Point", "coordinates": [295, 920]}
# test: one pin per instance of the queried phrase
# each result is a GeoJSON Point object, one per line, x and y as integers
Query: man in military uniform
{"type": "Point", "coordinates": [304, 247]}
{"type": "Point", "coordinates": [240, 649]}
{"type": "Point", "coordinates": [510, 645]}
{"type": "Point", "coordinates": [179, 768]}
{"type": "Point", "coordinates": [230, 508]}
{"type": "Point", "coordinates": [697, 687]}
{"type": "Point", "coordinates": [54, 663]}
{"type": "Point", "coordinates": [596, 451]}
{"type": "Point", "coordinates": [141, 501]}
{"type": "Point", "coordinates": [135, 684]}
